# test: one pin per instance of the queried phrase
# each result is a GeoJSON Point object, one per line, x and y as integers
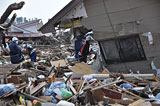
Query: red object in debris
{"type": "Point", "coordinates": [112, 94]}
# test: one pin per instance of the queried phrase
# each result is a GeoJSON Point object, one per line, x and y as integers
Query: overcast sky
{"type": "Point", "coordinates": [43, 9]}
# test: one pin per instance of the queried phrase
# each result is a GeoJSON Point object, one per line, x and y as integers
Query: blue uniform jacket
{"type": "Point", "coordinates": [78, 45]}
{"type": "Point", "coordinates": [32, 53]}
{"type": "Point", "coordinates": [15, 53]}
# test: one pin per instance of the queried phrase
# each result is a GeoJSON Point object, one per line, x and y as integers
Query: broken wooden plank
{"type": "Point", "coordinates": [82, 68]}
{"type": "Point", "coordinates": [90, 97]}
{"type": "Point", "coordinates": [81, 86]}
{"type": "Point", "coordinates": [32, 97]}
{"type": "Point", "coordinates": [37, 92]}
{"type": "Point", "coordinates": [32, 69]}
{"type": "Point", "coordinates": [128, 76]}
{"type": "Point", "coordinates": [143, 76]}
{"type": "Point", "coordinates": [39, 86]}
{"type": "Point", "coordinates": [146, 104]}
{"type": "Point", "coordinates": [155, 104]}
{"type": "Point", "coordinates": [129, 83]}
{"type": "Point", "coordinates": [52, 77]}
{"type": "Point", "coordinates": [98, 95]}
{"type": "Point", "coordinates": [88, 86]}
{"type": "Point", "coordinates": [46, 98]}
{"type": "Point", "coordinates": [137, 103]}
{"type": "Point", "coordinates": [68, 78]}
{"type": "Point", "coordinates": [2, 73]}
{"type": "Point", "coordinates": [138, 78]}
{"type": "Point", "coordinates": [13, 79]}
{"type": "Point", "coordinates": [41, 80]}
{"type": "Point", "coordinates": [131, 97]}
{"type": "Point", "coordinates": [123, 102]}
{"type": "Point", "coordinates": [109, 84]}
{"type": "Point", "coordinates": [112, 94]}
{"type": "Point", "coordinates": [155, 84]}
{"type": "Point", "coordinates": [71, 87]}
{"type": "Point", "coordinates": [125, 90]}
{"type": "Point", "coordinates": [106, 71]}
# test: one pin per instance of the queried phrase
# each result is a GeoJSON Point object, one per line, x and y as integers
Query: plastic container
{"type": "Point", "coordinates": [65, 93]}
{"type": "Point", "coordinates": [22, 100]}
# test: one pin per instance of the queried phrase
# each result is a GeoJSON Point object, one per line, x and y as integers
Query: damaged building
{"type": "Point", "coordinates": [119, 70]}
{"type": "Point", "coordinates": [26, 30]}
{"type": "Point", "coordinates": [127, 31]}
{"type": "Point", "coordinates": [123, 30]}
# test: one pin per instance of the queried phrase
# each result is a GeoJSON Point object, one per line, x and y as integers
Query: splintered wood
{"type": "Point", "coordinates": [137, 103]}
{"type": "Point", "coordinates": [39, 86]}
{"type": "Point", "coordinates": [43, 82]}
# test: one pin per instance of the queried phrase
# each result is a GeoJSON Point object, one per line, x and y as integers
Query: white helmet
{"type": "Point", "coordinates": [14, 39]}
{"type": "Point", "coordinates": [24, 45]}
{"type": "Point", "coordinates": [89, 38]}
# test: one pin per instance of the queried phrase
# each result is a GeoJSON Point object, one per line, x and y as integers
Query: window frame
{"type": "Point", "coordinates": [117, 43]}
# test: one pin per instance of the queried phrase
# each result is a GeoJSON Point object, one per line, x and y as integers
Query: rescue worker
{"type": "Point", "coordinates": [31, 52]}
{"type": "Point", "coordinates": [78, 46]}
{"type": "Point", "coordinates": [15, 52]}
{"type": "Point", "coordinates": [85, 49]}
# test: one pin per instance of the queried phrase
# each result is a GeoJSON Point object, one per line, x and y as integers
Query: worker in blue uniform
{"type": "Point", "coordinates": [78, 45]}
{"type": "Point", "coordinates": [15, 52]}
{"type": "Point", "coordinates": [31, 52]}
{"type": "Point", "coordinates": [85, 49]}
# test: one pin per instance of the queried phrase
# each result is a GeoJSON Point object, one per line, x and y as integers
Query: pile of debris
{"type": "Point", "coordinates": [59, 83]}
{"type": "Point", "coordinates": [56, 81]}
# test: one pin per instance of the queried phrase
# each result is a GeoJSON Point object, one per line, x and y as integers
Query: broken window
{"type": "Point", "coordinates": [123, 49]}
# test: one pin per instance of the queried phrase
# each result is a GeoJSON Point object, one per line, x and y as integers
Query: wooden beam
{"type": "Point", "coordinates": [123, 102]}
{"type": "Point", "coordinates": [52, 77]}
{"type": "Point", "coordinates": [129, 83]}
{"type": "Point", "coordinates": [33, 97]}
{"type": "Point", "coordinates": [137, 103]}
{"type": "Point", "coordinates": [71, 87]}
{"type": "Point", "coordinates": [99, 87]}
{"type": "Point", "coordinates": [39, 86]}
{"type": "Point", "coordinates": [125, 90]}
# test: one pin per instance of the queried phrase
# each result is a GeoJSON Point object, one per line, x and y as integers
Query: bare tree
{"type": "Point", "coordinates": [12, 7]}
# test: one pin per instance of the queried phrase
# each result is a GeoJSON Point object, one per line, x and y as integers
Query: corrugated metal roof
{"type": "Point", "coordinates": [34, 22]}
{"type": "Point", "coordinates": [21, 35]}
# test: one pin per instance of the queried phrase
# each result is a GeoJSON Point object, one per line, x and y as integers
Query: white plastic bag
{"type": "Point", "coordinates": [65, 103]}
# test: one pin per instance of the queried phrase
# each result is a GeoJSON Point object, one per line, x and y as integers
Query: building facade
{"type": "Point", "coordinates": [128, 32]}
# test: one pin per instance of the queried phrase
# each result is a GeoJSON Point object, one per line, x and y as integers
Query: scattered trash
{"type": "Point", "coordinates": [59, 78]}
{"type": "Point", "coordinates": [65, 103]}
{"type": "Point", "coordinates": [6, 89]}
{"type": "Point", "coordinates": [65, 93]}
{"type": "Point", "coordinates": [127, 86]}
